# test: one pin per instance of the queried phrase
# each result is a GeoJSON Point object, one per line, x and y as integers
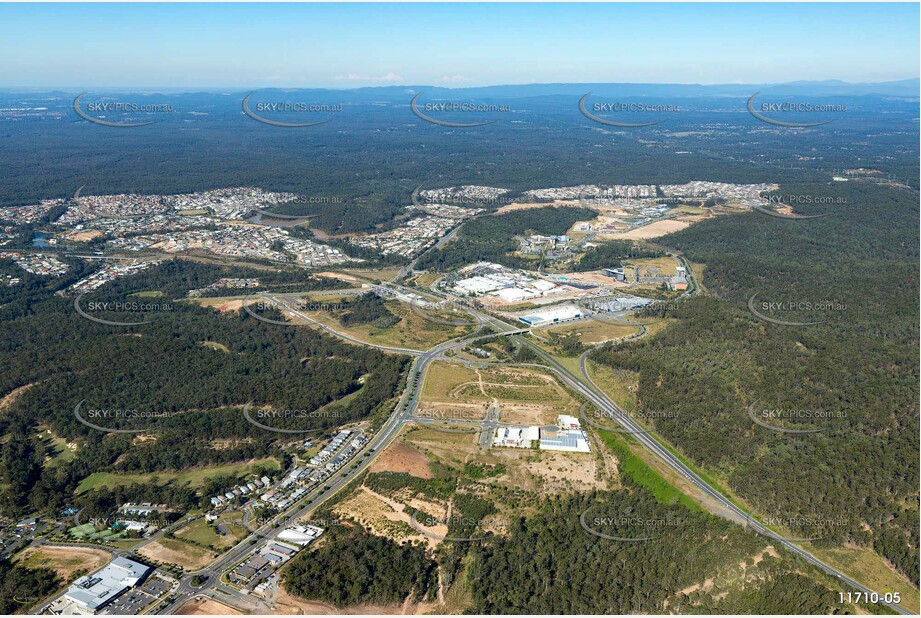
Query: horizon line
{"type": "Point", "coordinates": [460, 87]}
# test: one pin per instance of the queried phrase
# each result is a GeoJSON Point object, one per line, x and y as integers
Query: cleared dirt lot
{"type": "Point", "coordinates": [547, 471]}
{"type": "Point", "coordinates": [653, 230]}
{"type": "Point", "coordinates": [387, 517]}
{"type": "Point", "coordinates": [65, 561]}
{"type": "Point", "coordinates": [400, 457]}
{"type": "Point", "coordinates": [86, 236]}
{"type": "Point", "coordinates": [530, 205]}
{"type": "Point", "coordinates": [523, 414]}
{"type": "Point", "coordinates": [224, 305]}
{"type": "Point", "coordinates": [188, 556]}
{"type": "Point", "coordinates": [450, 384]}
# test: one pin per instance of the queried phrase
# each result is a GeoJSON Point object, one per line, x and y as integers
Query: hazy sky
{"type": "Point", "coordinates": [350, 45]}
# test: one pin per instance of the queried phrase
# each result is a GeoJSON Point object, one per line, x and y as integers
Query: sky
{"type": "Point", "coordinates": [354, 45]}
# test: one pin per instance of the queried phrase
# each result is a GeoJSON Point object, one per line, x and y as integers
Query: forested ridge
{"type": "Point", "coordinates": [182, 391]}
{"type": "Point", "coordinates": [354, 567]}
{"type": "Point", "coordinates": [856, 479]}
{"type": "Point", "coordinates": [551, 565]}
{"type": "Point", "coordinates": [22, 587]}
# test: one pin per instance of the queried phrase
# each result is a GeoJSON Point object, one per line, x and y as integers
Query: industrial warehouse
{"type": "Point", "coordinates": [566, 435]}
{"type": "Point", "coordinates": [123, 586]}
{"type": "Point", "coordinates": [553, 315]}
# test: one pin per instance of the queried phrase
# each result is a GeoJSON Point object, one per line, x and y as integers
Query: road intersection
{"type": "Point", "coordinates": [405, 413]}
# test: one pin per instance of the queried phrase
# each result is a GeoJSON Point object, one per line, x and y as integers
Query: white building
{"type": "Point", "coordinates": [91, 593]}
{"type": "Point", "coordinates": [562, 313]}
{"type": "Point", "coordinates": [566, 422]}
{"type": "Point", "coordinates": [300, 535]}
{"type": "Point", "coordinates": [572, 440]}
{"type": "Point", "coordinates": [516, 437]}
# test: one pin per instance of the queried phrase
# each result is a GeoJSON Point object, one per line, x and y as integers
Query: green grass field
{"type": "Point", "coordinates": [58, 446]}
{"type": "Point", "coordinates": [200, 531]}
{"type": "Point", "coordinates": [81, 531]}
{"type": "Point", "coordinates": [220, 347]}
{"type": "Point", "coordinates": [644, 476]}
{"type": "Point", "coordinates": [616, 384]}
{"type": "Point", "coordinates": [148, 294]}
{"type": "Point", "coordinates": [412, 331]}
{"type": "Point", "coordinates": [869, 568]}
{"type": "Point", "coordinates": [193, 478]}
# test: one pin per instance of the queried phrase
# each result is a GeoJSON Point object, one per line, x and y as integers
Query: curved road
{"type": "Point", "coordinates": [587, 388]}
{"type": "Point", "coordinates": [403, 414]}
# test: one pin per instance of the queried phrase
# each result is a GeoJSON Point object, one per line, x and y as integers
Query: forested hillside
{"type": "Point", "coordinates": [853, 378]}
{"type": "Point", "coordinates": [161, 377]}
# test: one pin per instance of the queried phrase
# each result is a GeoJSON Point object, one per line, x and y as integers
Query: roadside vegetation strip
{"type": "Point", "coordinates": [707, 478]}
{"type": "Point", "coordinates": [587, 382]}
{"type": "Point", "coordinates": [643, 475]}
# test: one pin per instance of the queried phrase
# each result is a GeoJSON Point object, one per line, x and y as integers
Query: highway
{"type": "Point", "coordinates": [587, 388]}
{"type": "Point", "coordinates": [404, 413]}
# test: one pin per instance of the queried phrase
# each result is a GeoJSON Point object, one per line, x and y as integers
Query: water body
{"type": "Point", "coordinates": [40, 239]}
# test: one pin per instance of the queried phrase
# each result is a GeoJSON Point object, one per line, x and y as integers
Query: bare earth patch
{"type": "Point", "coordinates": [527, 414]}
{"type": "Point", "coordinates": [562, 472]}
{"type": "Point", "coordinates": [11, 397]}
{"type": "Point", "coordinates": [707, 584]}
{"type": "Point", "coordinates": [190, 557]}
{"type": "Point", "coordinates": [65, 561]}
{"type": "Point", "coordinates": [86, 236]}
{"type": "Point", "coordinates": [400, 457]}
{"type": "Point", "coordinates": [206, 607]}
{"type": "Point", "coordinates": [653, 230]}
{"type": "Point", "coordinates": [447, 410]}
{"type": "Point", "coordinates": [529, 205]}
{"type": "Point", "coordinates": [383, 516]}
{"type": "Point", "coordinates": [230, 305]}
{"type": "Point", "coordinates": [342, 276]}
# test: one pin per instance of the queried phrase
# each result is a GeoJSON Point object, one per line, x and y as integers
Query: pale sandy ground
{"type": "Point", "coordinates": [230, 305]}
{"type": "Point", "coordinates": [341, 276]}
{"type": "Point", "coordinates": [65, 560]}
{"type": "Point", "coordinates": [653, 230]}
{"type": "Point", "coordinates": [528, 205]}
{"type": "Point", "coordinates": [207, 607]}
{"type": "Point", "coordinates": [84, 236]}
{"type": "Point", "coordinates": [377, 514]}
{"type": "Point", "coordinates": [194, 558]}
{"type": "Point", "coordinates": [552, 472]}
{"type": "Point", "coordinates": [528, 414]}
{"type": "Point", "coordinates": [594, 277]}
{"type": "Point", "coordinates": [567, 470]}
{"type": "Point", "coordinates": [11, 397]}
{"type": "Point", "coordinates": [707, 584]}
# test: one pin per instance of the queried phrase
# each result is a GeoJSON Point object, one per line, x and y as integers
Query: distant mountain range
{"type": "Point", "coordinates": [827, 88]}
